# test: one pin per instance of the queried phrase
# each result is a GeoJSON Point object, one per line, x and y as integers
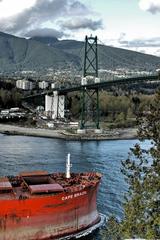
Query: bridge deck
{"type": "Point", "coordinates": [101, 85]}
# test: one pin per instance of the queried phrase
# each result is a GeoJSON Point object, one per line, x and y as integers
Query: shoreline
{"type": "Point", "coordinates": [115, 134]}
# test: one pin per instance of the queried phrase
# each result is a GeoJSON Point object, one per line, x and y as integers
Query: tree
{"type": "Point", "coordinates": [112, 230]}
{"type": "Point", "coordinates": [142, 170]}
{"type": "Point", "coordinates": [16, 97]}
{"type": "Point", "coordinates": [142, 173]}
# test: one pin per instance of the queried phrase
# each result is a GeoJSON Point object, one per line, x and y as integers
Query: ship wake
{"type": "Point", "coordinates": [87, 231]}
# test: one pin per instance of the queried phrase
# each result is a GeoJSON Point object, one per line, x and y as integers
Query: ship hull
{"type": "Point", "coordinates": [48, 217]}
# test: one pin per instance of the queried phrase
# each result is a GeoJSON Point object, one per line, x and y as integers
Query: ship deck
{"type": "Point", "coordinates": [39, 183]}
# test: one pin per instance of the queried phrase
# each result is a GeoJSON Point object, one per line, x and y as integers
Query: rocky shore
{"type": "Point", "coordinates": [116, 134]}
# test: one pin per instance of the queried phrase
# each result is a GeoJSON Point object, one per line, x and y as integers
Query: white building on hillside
{"type": "Point", "coordinates": [43, 85]}
{"type": "Point", "coordinates": [24, 84]}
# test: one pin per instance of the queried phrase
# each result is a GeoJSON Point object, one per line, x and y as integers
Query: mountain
{"type": "Point", "coordinates": [17, 54]}
{"type": "Point", "coordinates": [112, 57]}
{"type": "Point", "coordinates": [39, 53]}
{"type": "Point", "coordinates": [49, 41]}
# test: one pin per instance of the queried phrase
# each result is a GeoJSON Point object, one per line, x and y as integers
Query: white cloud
{"type": "Point", "coordinates": [9, 7]}
{"type": "Point", "coordinates": [139, 42]}
{"type": "Point", "coordinates": [81, 23]}
{"type": "Point", "coordinates": [143, 45]}
{"type": "Point", "coordinates": [148, 46]}
{"type": "Point", "coordinates": [45, 14]}
{"type": "Point", "coordinates": [42, 32]}
{"type": "Point", "coordinates": [152, 6]}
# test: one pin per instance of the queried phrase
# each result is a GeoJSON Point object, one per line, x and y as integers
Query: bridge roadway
{"type": "Point", "coordinates": [100, 85]}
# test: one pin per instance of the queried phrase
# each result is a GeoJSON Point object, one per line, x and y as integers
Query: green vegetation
{"type": "Point", "coordinates": [142, 173]}
{"type": "Point", "coordinates": [121, 111]}
{"type": "Point", "coordinates": [9, 98]}
{"type": "Point", "coordinates": [116, 111]}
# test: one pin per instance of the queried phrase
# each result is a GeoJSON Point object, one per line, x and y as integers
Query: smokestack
{"type": "Point", "coordinates": [68, 166]}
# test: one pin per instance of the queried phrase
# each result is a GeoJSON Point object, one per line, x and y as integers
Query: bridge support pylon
{"type": "Point", "coordinates": [90, 97]}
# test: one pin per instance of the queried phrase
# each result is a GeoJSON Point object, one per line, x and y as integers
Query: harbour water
{"type": "Point", "coordinates": [19, 153]}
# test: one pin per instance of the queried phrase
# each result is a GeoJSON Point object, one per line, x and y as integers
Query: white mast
{"type": "Point", "coordinates": [68, 166]}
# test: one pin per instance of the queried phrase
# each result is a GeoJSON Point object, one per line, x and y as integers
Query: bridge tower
{"type": "Point", "coordinates": [90, 98]}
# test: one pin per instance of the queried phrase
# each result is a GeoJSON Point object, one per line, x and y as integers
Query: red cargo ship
{"type": "Point", "coordinates": [38, 205]}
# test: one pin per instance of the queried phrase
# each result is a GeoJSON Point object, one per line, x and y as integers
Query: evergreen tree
{"type": "Point", "coordinates": [142, 207]}
{"type": "Point", "coordinates": [142, 173]}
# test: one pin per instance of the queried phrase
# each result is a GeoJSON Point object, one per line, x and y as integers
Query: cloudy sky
{"type": "Point", "coordinates": [131, 24]}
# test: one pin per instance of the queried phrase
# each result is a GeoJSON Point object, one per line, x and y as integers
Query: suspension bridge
{"type": "Point", "coordinates": [55, 98]}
